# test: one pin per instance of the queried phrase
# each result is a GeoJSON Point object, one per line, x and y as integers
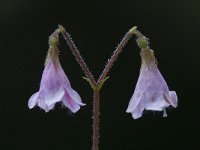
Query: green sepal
{"type": "Point", "coordinates": [153, 57]}
{"type": "Point", "coordinates": [143, 42]}
{"type": "Point", "coordinates": [53, 41]}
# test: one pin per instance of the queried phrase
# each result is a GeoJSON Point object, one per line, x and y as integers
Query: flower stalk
{"type": "Point", "coordinates": [116, 53]}
{"type": "Point", "coordinates": [77, 55]}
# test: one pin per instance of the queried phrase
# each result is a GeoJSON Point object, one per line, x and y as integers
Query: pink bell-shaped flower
{"type": "Point", "coordinates": [151, 91]}
{"type": "Point", "coordinates": [55, 87]}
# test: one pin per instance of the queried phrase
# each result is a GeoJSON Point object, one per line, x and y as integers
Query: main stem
{"type": "Point", "coordinates": [95, 136]}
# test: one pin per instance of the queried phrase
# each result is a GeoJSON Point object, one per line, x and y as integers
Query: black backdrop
{"type": "Point", "coordinates": [97, 27]}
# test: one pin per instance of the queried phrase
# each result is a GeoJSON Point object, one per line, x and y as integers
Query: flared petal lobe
{"type": "Point", "coordinates": [33, 100]}
{"type": "Point", "coordinates": [72, 100]}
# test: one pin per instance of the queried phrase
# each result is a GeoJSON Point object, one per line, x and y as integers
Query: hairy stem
{"type": "Point", "coordinates": [77, 55]}
{"type": "Point", "coordinates": [95, 136]}
{"type": "Point", "coordinates": [116, 53]}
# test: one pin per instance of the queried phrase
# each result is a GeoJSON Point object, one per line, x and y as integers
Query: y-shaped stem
{"type": "Point", "coordinates": [96, 86]}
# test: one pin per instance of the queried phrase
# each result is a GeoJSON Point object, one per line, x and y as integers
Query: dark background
{"type": "Point", "coordinates": [96, 28]}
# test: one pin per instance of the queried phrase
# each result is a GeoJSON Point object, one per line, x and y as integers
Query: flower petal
{"type": "Point", "coordinates": [134, 102]}
{"type": "Point", "coordinates": [42, 105]}
{"type": "Point", "coordinates": [50, 98]}
{"type": "Point", "coordinates": [137, 113]}
{"type": "Point", "coordinates": [154, 101]}
{"type": "Point", "coordinates": [72, 100]}
{"type": "Point", "coordinates": [33, 100]}
{"type": "Point", "coordinates": [75, 96]}
{"type": "Point", "coordinates": [173, 98]}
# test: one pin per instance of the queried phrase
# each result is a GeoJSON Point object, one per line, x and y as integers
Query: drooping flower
{"type": "Point", "coordinates": [55, 87]}
{"type": "Point", "coordinates": [151, 91]}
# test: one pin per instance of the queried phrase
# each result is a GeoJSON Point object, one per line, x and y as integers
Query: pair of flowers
{"type": "Point", "coordinates": [151, 92]}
